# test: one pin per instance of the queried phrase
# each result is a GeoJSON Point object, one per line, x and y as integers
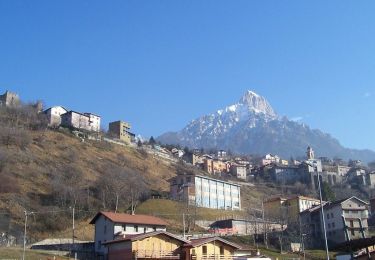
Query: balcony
{"type": "Point", "coordinates": [150, 254]}
{"type": "Point", "coordinates": [215, 257]}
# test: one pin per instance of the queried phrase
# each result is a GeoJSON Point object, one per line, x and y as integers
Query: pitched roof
{"type": "Point", "coordinates": [132, 219]}
{"type": "Point", "coordinates": [202, 241]}
{"type": "Point", "coordinates": [145, 235]}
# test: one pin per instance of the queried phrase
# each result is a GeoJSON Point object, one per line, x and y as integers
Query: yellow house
{"type": "Point", "coordinates": [152, 245]}
{"type": "Point", "coordinates": [288, 209]}
{"type": "Point", "coordinates": [273, 208]}
{"type": "Point", "coordinates": [210, 248]}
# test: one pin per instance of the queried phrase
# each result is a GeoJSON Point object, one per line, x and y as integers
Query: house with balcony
{"type": "Point", "coordinates": [121, 130]}
{"type": "Point", "coordinates": [153, 245]}
{"type": "Point", "coordinates": [345, 220]}
{"type": "Point", "coordinates": [210, 248]}
{"type": "Point", "coordinates": [110, 226]}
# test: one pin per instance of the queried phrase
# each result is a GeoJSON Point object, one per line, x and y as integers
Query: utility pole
{"type": "Point", "coordinates": [24, 237]}
{"type": "Point", "coordinates": [73, 232]}
{"type": "Point", "coordinates": [183, 223]}
{"type": "Point", "coordinates": [264, 227]}
{"type": "Point", "coordinates": [323, 218]}
{"type": "Point", "coordinates": [25, 233]}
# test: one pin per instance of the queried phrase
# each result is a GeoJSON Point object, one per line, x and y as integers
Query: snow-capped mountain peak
{"type": "Point", "coordinates": [257, 103]}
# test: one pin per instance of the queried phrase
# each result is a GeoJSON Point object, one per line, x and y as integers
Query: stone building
{"type": "Point", "coordinates": [85, 121]}
{"type": "Point", "coordinates": [9, 99]}
{"type": "Point", "coordinates": [54, 115]}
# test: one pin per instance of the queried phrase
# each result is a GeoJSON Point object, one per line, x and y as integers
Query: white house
{"type": "Point", "coordinates": [86, 121]}
{"type": "Point", "coordinates": [109, 225]}
{"type": "Point", "coordinates": [54, 115]}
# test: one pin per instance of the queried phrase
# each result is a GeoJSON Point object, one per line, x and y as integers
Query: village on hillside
{"type": "Point", "coordinates": [311, 219]}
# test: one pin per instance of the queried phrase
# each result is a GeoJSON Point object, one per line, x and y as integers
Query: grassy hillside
{"type": "Point", "coordinates": [46, 172]}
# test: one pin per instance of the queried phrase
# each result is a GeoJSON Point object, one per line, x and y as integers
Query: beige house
{"type": "Point", "coordinates": [120, 130]}
{"type": "Point", "coordinates": [277, 208]}
{"type": "Point", "coordinates": [153, 245]}
{"type": "Point", "coordinates": [210, 248]}
{"type": "Point", "coordinates": [164, 245]}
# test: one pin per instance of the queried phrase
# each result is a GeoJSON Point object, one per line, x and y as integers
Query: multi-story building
{"type": "Point", "coordinates": [9, 99]}
{"type": "Point", "coordinates": [85, 121]}
{"type": "Point", "coordinates": [287, 208]}
{"type": "Point", "coordinates": [121, 130]}
{"type": "Point", "coordinates": [206, 192]}
{"type": "Point", "coordinates": [345, 220]}
{"type": "Point", "coordinates": [54, 115]}
{"type": "Point", "coordinates": [109, 225]}
{"type": "Point", "coordinates": [239, 171]}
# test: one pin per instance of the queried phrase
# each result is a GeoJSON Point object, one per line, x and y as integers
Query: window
{"type": "Point", "coordinates": [204, 250]}
{"type": "Point", "coordinates": [105, 229]}
{"type": "Point", "coordinates": [221, 250]}
{"type": "Point", "coordinates": [327, 215]}
{"type": "Point", "coordinates": [353, 232]}
{"type": "Point", "coordinates": [154, 228]}
{"type": "Point", "coordinates": [333, 224]}
{"type": "Point", "coordinates": [351, 223]}
{"type": "Point", "coordinates": [144, 230]}
{"type": "Point", "coordinates": [331, 215]}
{"type": "Point", "coordinates": [124, 227]}
{"type": "Point", "coordinates": [136, 228]}
{"type": "Point", "coordinates": [329, 225]}
{"type": "Point", "coordinates": [99, 244]}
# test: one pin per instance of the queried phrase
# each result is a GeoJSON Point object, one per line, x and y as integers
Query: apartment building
{"type": "Point", "coordinates": [206, 192]}
{"type": "Point", "coordinates": [345, 220]}
{"type": "Point", "coordinates": [239, 171]}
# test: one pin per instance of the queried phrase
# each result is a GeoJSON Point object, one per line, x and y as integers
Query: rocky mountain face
{"type": "Point", "coordinates": [251, 126]}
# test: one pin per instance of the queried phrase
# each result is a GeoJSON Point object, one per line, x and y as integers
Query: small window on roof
{"type": "Point", "coordinates": [204, 250]}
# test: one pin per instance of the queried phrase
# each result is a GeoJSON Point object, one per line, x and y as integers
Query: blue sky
{"type": "Point", "coordinates": [160, 64]}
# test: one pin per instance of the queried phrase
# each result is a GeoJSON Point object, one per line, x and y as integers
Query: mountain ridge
{"type": "Point", "coordinates": [251, 126]}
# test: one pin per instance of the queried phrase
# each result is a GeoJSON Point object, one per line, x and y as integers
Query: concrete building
{"type": "Point", "coordinates": [9, 99]}
{"type": "Point", "coordinates": [206, 192]}
{"type": "Point", "coordinates": [343, 218]}
{"type": "Point", "coordinates": [76, 120]}
{"type": "Point", "coordinates": [121, 130]}
{"type": "Point", "coordinates": [239, 171]}
{"type": "Point", "coordinates": [54, 115]}
{"type": "Point", "coordinates": [243, 226]}
{"type": "Point", "coordinates": [109, 226]}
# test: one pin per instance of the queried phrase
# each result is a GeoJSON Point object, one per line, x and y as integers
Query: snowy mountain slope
{"type": "Point", "coordinates": [252, 126]}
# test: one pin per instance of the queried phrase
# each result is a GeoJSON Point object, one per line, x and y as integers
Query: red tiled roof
{"type": "Point", "coordinates": [132, 219]}
{"type": "Point", "coordinates": [202, 241]}
{"type": "Point", "coordinates": [146, 235]}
